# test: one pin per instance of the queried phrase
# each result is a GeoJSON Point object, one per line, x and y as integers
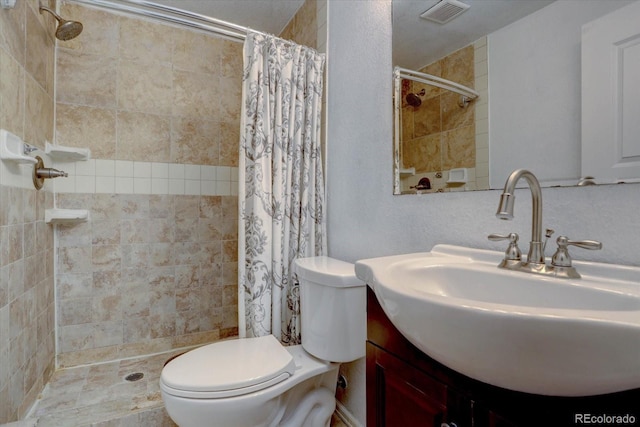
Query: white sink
{"type": "Point", "coordinates": [524, 332]}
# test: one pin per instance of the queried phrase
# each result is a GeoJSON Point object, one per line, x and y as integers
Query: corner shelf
{"type": "Point", "coordinates": [68, 154]}
{"type": "Point", "coordinates": [407, 172]}
{"type": "Point", "coordinates": [65, 216]}
{"type": "Point", "coordinates": [458, 176]}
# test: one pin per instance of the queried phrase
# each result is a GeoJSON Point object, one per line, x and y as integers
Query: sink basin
{"type": "Point", "coordinates": [524, 332]}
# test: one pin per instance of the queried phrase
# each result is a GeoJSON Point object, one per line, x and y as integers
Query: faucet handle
{"type": "Point", "coordinates": [562, 258]}
{"type": "Point", "coordinates": [513, 252]}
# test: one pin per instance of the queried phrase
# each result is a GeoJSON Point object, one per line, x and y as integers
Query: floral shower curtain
{"type": "Point", "coordinates": [281, 194]}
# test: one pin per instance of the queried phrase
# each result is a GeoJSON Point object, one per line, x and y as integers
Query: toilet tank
{"type": "Point", "coordinates": [332, 308]}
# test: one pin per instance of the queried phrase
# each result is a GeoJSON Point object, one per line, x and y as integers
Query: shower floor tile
{"type": "Point", "coordinates": [99, 396]}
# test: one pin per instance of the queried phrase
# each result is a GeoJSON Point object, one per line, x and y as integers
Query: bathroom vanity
{"type": "Point", "coordinates": [405, 387]}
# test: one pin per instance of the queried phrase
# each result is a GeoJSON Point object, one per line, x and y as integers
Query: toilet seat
{"type": "Point", "coordinates": [228, 368]}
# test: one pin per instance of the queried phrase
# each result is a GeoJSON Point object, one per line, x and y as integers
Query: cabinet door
{"type": "Point", "coordinates": [399, 395]}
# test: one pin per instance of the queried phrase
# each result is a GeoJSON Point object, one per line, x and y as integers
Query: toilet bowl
{"type": "Point", "coordinates": [255, 382]}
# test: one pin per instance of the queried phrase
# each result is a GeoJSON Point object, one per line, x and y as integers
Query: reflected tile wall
{"type": "Point", "coordinates": [303, 27]}
{"type": "Point", "coordinates": [438, 135]}
{"type": "Point", "coordinates": [440, 117]}
{"type": "Point", "coordinates": [146, 273]}
{"type": "Point", "coordinates": [27, 342]}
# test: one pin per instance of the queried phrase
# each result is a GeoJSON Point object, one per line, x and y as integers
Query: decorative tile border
{"type": "Point", "coordinates": [131, 177]}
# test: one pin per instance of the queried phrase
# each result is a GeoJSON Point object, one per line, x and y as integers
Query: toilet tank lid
{"type": "Point", "coordinates": [327, 271]}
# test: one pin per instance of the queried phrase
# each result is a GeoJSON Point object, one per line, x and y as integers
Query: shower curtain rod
{"type": "Point", "coordinates": [173, 15]}
{"type": "Point", "coordinates": [404, 73]}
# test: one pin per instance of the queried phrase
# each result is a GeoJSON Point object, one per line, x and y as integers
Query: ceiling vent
{"type": "Point", "coordinates": [444, 11]}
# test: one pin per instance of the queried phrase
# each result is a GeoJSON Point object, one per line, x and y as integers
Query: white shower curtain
{"type": "Point", "coordinates": [281, 194]}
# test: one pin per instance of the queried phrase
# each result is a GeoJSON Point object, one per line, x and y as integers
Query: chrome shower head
{"type": "Point", "coordinates": [66, 29]}
{"type": "Point", "coordinates": [414, 99]}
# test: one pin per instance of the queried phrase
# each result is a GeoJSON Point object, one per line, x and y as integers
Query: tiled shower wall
{"type": "Point", "coordinates": [155, 266]}
{"type": "Point", "coordinates": [27, 343]}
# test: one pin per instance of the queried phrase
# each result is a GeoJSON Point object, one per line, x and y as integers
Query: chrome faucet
{"type": "Point", "coordinates": [535, 257]}
{"type": "Point", "coordinates": [561, 261]}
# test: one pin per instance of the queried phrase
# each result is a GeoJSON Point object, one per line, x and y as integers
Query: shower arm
{"type": "Point", "coordinates": [404, 73]}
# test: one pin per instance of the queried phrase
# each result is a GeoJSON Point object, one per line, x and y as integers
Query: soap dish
{"type": "Point", "coordinates": [60, 152]}
{"type": "Point", "coordinates": [13, 148]}
{"type": "Point", "coordinates": [65, 216]}
{"type": "Point", "coordinates": [458, 176]}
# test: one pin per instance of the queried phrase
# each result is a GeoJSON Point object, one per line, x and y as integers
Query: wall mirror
{"type": "Point", "coordinates": [524, 60]}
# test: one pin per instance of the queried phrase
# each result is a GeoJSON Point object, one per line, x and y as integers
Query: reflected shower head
{"type": "Point", "coordinates": [66, 29]}
{"type": "Point", "coordinates": [414, 99]}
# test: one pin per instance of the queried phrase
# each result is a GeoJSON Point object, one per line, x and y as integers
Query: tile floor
{"type": "Point", "coordinates": [99, 396]}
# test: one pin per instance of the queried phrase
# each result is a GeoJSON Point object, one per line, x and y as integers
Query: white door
{"type": "Point", "coordinates": [610, 96]}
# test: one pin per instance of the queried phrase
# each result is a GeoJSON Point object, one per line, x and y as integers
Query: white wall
{"type": "Point", "coordinates": [359, 137]}
{"type": "Point", "coordinates": [366, 220]}
{"type": "Point", "coordinates": [534, 91]}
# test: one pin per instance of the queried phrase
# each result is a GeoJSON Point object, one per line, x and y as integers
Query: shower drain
{"type": "Point", "coordinates": [134, 377]}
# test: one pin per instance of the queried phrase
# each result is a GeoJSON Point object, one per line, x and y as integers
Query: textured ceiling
{"type": "Point", "coordinates": [416, 42]}
{"type": "Point", "coordinates": [269, 16]}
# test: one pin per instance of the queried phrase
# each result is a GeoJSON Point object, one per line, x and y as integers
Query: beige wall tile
{"type": "Point", "coordinates": [12, 31]}
{"type": "Point", "coordinates": [197, 52]}
{"type": "Point", "coordinates": [453, 116]}
{"type": "Point", "coordinates": [39, 108]}
{"type": "Point", "coordinates": [87, 127]}
{"type": "Point", "coordinates": [99, 35]}
{"type": "Point", "coordinates": [230, 93]}
{"type": "Point", "coordinates": [74, 260]}
{"type": "Point", "coordinates": [144, 86]}
{"type": "Point", "coordinates": [187, 207]}
{"type": "Point", "coordinates": [26, 303]}
{"type": "Point", "coordinates": [11, 94]}
{"type": "Point", "coordinates": [459, 66]}
{"type": "Point", "coordinates": [195, 141]}
{"type": "Point", "coordinates": [144, 41]}
{"type": "Point", "coordinates": [459, 148]}
{"type": "Point", "coordinates": [427, 118]}
{"type": "Point", "coordinates": [303, 26]}
{"type": "Point", "coordinates": [229, 144]}
{"type": "Point", "coordinates": [40, 49]}
{"type": "Point", "coordinates": [425, 153]}
{"type": "Point", "coordinates": [143, 137]}
{"type": "Point", "coordinates": [75, 311]}
{"type": "Point", "coordinates": [231, 59]}
{"type": "Point", "coordinates": [86, 79]}
{"type": "Point", "coordinates": [136, 255]}
{"type": "Point", "coordinates": [196, 94]}
{"type": "Point", "coordinates": [106, 257]}
{"type": "Point", "coordinates": [134, 231]}
{"type": "Point", "coordinates": [107, 308]}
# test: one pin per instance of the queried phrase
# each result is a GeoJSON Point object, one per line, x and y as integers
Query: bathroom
{"type": "Point", "coordinates": [364, 218]}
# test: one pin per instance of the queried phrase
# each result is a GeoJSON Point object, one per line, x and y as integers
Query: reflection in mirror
{"type": "Point", "coordinates": [436, 130]}
{"type": "Point", "coordinates": [527, 70]}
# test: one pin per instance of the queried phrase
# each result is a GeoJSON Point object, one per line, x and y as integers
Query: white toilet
{"type": "Point", "coordinates": [255, 382]}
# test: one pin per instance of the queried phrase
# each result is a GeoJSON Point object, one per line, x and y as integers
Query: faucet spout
{"type": "Point", "coordinates": [535, 256]}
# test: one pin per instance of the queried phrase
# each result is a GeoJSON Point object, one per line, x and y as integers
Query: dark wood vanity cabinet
{"type": "Point", "coordinates": [406, 388]}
